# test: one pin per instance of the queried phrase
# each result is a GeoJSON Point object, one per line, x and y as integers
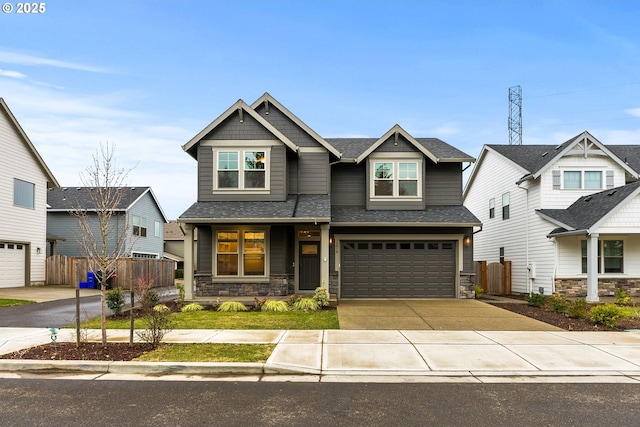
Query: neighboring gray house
{"type": "Point", "coordinates": [138, 207]}
{"type": "Point", "coordinates": [174, 243]}
{"type": "Point", "coordinates": [282, 210]}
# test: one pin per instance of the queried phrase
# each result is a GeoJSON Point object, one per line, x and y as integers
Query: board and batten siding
{"type": "Point", "coordinates": [18, 224]}
{"type": "Point", "coordinates": [146, 208]}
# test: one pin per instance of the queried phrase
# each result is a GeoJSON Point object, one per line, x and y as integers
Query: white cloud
{"type": "Point", "coordinates": [12, 74]}
{"type": "Point", "coordinates": [10, 57]}
{"type": "Point", "coordinates": [635, 112]}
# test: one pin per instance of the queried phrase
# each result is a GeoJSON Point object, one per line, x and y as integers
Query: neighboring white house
{"type": "Point", "coordinates": [24, 179]}
{"type": "Point", "coordinates": [566, 216]}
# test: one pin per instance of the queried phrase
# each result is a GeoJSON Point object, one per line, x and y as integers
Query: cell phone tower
{"type": "Point", "coordinates": [515, 115]}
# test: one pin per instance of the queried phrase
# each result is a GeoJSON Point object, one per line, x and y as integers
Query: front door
{"type": "Point", "coordinates": [309, 278]}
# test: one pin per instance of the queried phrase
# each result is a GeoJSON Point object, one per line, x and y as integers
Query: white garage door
{"type": "Point", "coordinates": [12, 264]}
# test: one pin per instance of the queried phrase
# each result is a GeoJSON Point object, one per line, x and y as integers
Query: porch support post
{"type": "Point", "coordinates": [324, 256]}
{"type": "Point", "coordinates": [188, 262]}
{"type": "Point", "coordinates": [592, 268]}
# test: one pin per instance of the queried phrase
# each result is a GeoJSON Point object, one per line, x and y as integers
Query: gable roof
{"type": "Point", "coordinates": [588, 212]}
{"type": "Point", "coordinates": [50, 178]}
{"type": "Point", "coordinates": [240, 105]}
{"type": "Point", "coordinates": [72, 198]}
{"type": "Point", "coordinates": [268, 99]}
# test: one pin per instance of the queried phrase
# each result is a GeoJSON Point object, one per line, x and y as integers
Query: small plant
{"type": "Point", "coordinates": [478, 291]}
{"type": "Point", "coordinates": [321, 295]}
{"type": "Point", "coordinates": [622, 297]}
{"type": "Point", "coordinates": [292, 299]}
{"type": "Point", "coordinates": [53, 335]}
{"type": "Point", "coordinates": [274, 305]}
{"type": "Point", "coordinates": [147, 296]}
{"type": "Point", "coordinates": [194, 306]}
{"type": "Point", "coordinates": [260, 302]}
{"type": "Point", "coordinates": [606, 315]}
{"type": "Point", "coordinates": [577, 309]}
{"type": "Point", "coordinates": [306, 304]}
{"type": "Point", "coordinates": [181, 293]}
{"type": "Point", "coordinates": [232, 307]}
{"type": "Point", "coordinates": [537, 300]}
{"type": "Point", "coordinates": [158, 323]}
{"type": "Point", "coordinates": [559, 303]}
{"type": "Point", "coordinates": [115, 301]}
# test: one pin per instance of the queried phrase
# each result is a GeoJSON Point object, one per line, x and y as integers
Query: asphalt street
{"type": "Point", "coordinates": [33, 403]}
{"type": "Point", "coordinates": [51, 314]}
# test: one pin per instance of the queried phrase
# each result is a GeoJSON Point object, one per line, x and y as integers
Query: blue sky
{"type": "Point", "coordinates": [149, 75]}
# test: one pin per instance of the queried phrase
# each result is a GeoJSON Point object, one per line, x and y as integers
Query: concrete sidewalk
{"type": "Point", "coordinates": [366, 356]}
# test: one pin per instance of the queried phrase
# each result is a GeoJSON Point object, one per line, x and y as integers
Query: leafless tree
{"type": "Point", "coordinates": [103, 230]}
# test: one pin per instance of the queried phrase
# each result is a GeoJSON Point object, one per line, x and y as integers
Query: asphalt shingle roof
{"type": "Point", "coordinates": [585, 212]}
{"type": "Point", "coordinates": [431, 215]}
{"type": "Point", "coordinates": [354, 147]}
{"type": "Point", "coordinates": [71, 198]}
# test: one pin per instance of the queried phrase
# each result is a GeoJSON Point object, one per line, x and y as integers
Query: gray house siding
{"type": "Point", "coordinates": [281, 250]}
{"type": "Point", "coordinates": [63, 224]}
{"type": "Point", "coordinates": [315, 178]}
{"type": "Point", "coordinates": [348, 183]}
{"type": "Point", "coordinates": [278, 175]}
{"type": "Point", "coordinates": [287, 127]}
{"type": "Point", "coordinates": [205, 250]}
{"type": "Point", "coordinates": [151, 244]}
{"type": "Point", "coordinates": [403, 146]}
{"type": "Point", "coordinates": [443, 184]}
{"type": "Point", "coordinates": [232, 128]}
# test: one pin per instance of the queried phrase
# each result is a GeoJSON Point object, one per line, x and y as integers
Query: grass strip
{"type": "Point", "coordinates": [238, 353]}
{"type": "Point", "coordinates": [5, 302]}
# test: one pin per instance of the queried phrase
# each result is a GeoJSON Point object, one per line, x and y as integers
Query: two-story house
{"type": "Point", "coordinates": [24, 179]}
{"type": "Point", "coordinates": [282, 210]}
{"type": "Point", "coordinates": [138, 212]}
{"type": "Point", "coordinates": [567, 216]}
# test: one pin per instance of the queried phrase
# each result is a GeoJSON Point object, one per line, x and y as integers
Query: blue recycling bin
{"type": "Point", "coordinates": [91, 280]}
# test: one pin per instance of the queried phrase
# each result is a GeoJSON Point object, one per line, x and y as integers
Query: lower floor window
{"type": "Point", "coordinates": [240, 253]}
{"type": "Point", "coordinates": [613, 258]}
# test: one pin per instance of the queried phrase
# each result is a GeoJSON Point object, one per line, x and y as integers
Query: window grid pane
{"type": "Point", "coordinates": [593, 180]}
{"type": "Point", "coordinates": [254, 244]}
{"type": "Point", "coordinates": [572, 179]}
{"type": "Point", "coordinates": [23, 193]}
{"type": "Point", "coordinates": [227, 257]}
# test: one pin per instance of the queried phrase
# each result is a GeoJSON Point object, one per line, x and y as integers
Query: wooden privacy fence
{"type": "Point", "coordinates": [495, 278]}
{"type": "Point", "coordinates": [64, 270]}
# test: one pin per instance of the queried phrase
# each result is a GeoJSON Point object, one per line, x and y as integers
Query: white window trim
{"type": "Point", "coordinates": [241, 153]}
{"type": "Point", "coordinates": [240, 277]}
{"type": "Point", "coordinates": [395, 159]}
{"type": "Point", "coordinates": [603, 178]}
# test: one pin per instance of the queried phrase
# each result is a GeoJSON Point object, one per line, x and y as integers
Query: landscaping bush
{"type": "Point", "coordinates": [478, 291]}
{"type": "Point", "coordinates": [537, 300]}
{"type": "Point", "coordinates": [181, 293]}
{"type": "Point", "coordinates": [115, 301]}
{"type": "Point", "coordinates": [606, 315]}
{"type": "Point", "coordinates": [232, 307]}
{"type": "Point", "coordinates": [194, 306]}
{"type": "Point", "coordinates": [147, 297]}
{"type": "Point", "coordinates": [622, 297]}
{"type": "Point", "coordinates": [179, 273]}
{"type": "Point", "coordinates": [306, 304]}
{"type": "Point", "coordinates": [577, 309]}
{"type": "Point", "coordinates": [558, 303]}
{"type": "Point", "coordinates": [321, 295]}
{"type": "Point", "coordinates": [157, 323]}
{"type": "Point", "coordinates": [274, 305]}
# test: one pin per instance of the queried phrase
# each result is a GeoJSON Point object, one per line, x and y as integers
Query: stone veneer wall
{"type": "Point", "coordinates": [606, 287]}
{"type": "Point", "coordinates": [279, 285]}
{"type": "Point", "coordinates": [467, 282]}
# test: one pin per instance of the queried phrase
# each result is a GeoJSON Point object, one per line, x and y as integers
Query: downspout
{"type": "Point", "coordinates": [526, 218]}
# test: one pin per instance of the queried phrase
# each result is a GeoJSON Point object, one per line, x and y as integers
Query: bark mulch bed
{"type": "Point", "coordinates": [563, 321]}
{"type": "Point", "coordinates": [113, 351]}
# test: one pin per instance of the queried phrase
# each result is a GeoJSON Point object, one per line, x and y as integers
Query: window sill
{"type": "Point", "coordinates": [239, 279]}
{"type": "Point", "coordinates": [239, 191]}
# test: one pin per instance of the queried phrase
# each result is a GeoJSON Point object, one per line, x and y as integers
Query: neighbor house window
{"type": "Point", "coordinates": [139, 226]}
{"type": "Point", "coordinates": [492, 208]}
{"type": "Point", "coordinates": [505, 206]}
{"type": "Point", "coordinates": [395, 179]}
{"type": "Point", "coordinates": [241, 170]}
{"type": "Point", "coordinates": [157, 229]}
{"type": "Point", "coordinates": [501, 255]}
{"type": "Point", "coordinates": [578, 180]}
{"type": "Point", "coordinates": [24, 193]}
{"type": "Point", "coordinates": [240, 253]}
{"type": "Point", "coordinates": [613, 259]}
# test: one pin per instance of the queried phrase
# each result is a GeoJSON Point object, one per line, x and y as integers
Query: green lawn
{"type": "Point", "coordinates": [239, 353]}
{"type": "Point", "coordinates": [206, 319]}
{"type": "Point", "coordinates": [4, 302]}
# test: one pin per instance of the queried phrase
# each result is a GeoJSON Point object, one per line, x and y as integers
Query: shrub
{"type": "Point", "coordinates": [181, 293]}
{"type": "Point", "coordinates": [306, 304]}
{"type": "Point", "coordinates": [194, 306]}
{"type": "Point", "coordinates": [537, 300]}
{"type": "Point", "coordinates": [577, 308]}
{"type": "Point", "coordinates": [232, 307]}
{"type": "Point", "coordinates": [558, 303]}
{"type": "Point", "coordinates": [622, 297]}
{"type": "Point", "coordinates": [157, 323]}
{"type": "Point", "coordinates": [260, 302]}
{"type": "Point", "coordinates": [179, 273]}
{"type": "Point", "coordinates": [606, 315]}
{"type": "Point", "coordinates": [478, 291]}
{"type": "Point", "coordinates": [292, 299]}
{"type": "Point", "coordinates": [147, 297]}
{"type": "Point", "coordinates": [115, 301]}
{"type": "Point", "coordinates": [321, 295]}
{"type": "Point", "coordinates": [274, 305]}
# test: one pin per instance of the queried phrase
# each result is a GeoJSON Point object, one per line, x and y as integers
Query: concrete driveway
{"type": "Point", "coordinates": [448, 314]}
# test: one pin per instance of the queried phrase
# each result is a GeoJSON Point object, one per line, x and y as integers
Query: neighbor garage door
{"type": "Point", "coordinates": [403, 269]}
{"type": "Point", "coordinates": [12, 264]}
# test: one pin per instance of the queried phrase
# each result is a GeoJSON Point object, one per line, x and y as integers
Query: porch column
{"type": "Point", "coordinates": [324, 256]}
{"type": "Point", "coordinates": [188, 261]}
{"type": "Point", "coordinates": [592, 268]}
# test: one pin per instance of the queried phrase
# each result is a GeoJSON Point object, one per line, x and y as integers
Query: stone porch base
{"type": "Point", "coordinates": [606, 287]}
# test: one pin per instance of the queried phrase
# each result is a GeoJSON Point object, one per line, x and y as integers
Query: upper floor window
{"type": "Point", "coordinates": [157, 229]}
{"type": "Point", "coordinates": [505, 206]}
{"type": "Point", "coordinates": [395, 179]}
{"type": "Point", "coordinates": [241, 170]}
{"type": "Point", "coordinates": [492, 208]}
{"type": "Point", "coordinates": [24, 193]}
{"type": "Point", "coordinates": [139, 226]}
{"type": "Point", "coordinates": [576, 180]}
